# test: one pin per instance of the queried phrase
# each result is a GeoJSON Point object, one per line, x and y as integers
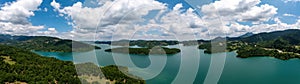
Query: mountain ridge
{"type": "Point", "coordinates": [45, 43]}
{"type": "Point", "coordinates": [279, 44]}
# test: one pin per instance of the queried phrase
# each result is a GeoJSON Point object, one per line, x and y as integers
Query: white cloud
{"type": "Point", "coordinates": [55, 4]}
{"type": "Point", "coordinates": [121, 13]}
{"type": "Point", "coordinates": [289, 15]}
{"type": "Point", "coordinates": [259, 14]}
{"type": "Point", "coordinates": [45, 9]}
{"type": "Point", "coordinates": [18, 12]}
{"type": "Point", "coordinates": [258, 28]}
{"type": "Point", "coordinates": [18, 29]}
{"type": "Point", "coordinates": [286, 1]}
{"type": "Point", "coordinates": [14, 19]}
{"type": "Point", "coordinates": [49, 32]}
{"type": "Point", "coordinates": [119, 19]}
{"type": "Point", "coordinates": [223, 17]}
{"type": "Point", "coordinates": [241, 10]}
{"type": "Point", "coordinates": [178, 6]}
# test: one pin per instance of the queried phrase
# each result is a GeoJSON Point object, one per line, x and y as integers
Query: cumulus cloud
{"type": "Point", "coordinates": [259, 14]}
{"type": "Point", "coordinates": [108, 15]}
{"type": "Point", "coordinates": [18, 12]}
{"type": "Point", "coordinates": [18, 29]}
{"type": "Point", "coordinates": [49, 32]}
{"type": "Point", "coordinates": [122, 18]}
{"type": "Point", "coordinates": [240, 10]}
{"type": "Point", "coordinates": [55, 4]}
{"type": "Point", "coordinates": [14, 18]}
{"type": "Point", "coordinates": [224, 17]}
{"type": "Point", "coordinates": [119, 19]}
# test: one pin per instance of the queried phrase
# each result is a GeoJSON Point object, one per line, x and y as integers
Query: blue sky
{"type": "Point", "coordinates": [52, 19]}
{"type": "Point", "coordinates": [285, 8]}
{"type": "Point", "coordinates": [49, 18]}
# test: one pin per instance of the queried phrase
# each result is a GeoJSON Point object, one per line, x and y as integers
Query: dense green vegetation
{"type": "Point", "coordinates": [144, 51]}
{"type": "Point", "coordinates": [19, 65]}
{"type": "Point", "coordinates": [141, 43]}
{"type": "Point", "coordinates": [31, 68]}
{"type": "Point", "coordinates": [280, 44]}
{"type": "Point", "coordinates": [249, 51]}
{"type": "Point", "coordinates": [110, 72]}
{"type": "Point", "coordinates": [43, 43]}
{"type": "Point", "coordinates": [150, 44]}
{"type": "Point", "coordinates": [214, 47]}
{"type": "Point", "coordinates": [289, 35]}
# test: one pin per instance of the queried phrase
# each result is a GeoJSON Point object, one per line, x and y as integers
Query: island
{"type": "Point", "coordinates": [144, 51]}
{"type": "Point", "coordinates": [140, 43]}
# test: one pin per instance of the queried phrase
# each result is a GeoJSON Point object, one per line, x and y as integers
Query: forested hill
{"type": "Point", "coordinates": [24, 66]}
{"type": "Point", "coordinates": [280, 44]}
{"type": "Point", "coordinates": [287, 40]}
{"type": "Point", "coordinates": [44, 43]}
{"type": "Point", "coordinates": [291, 35]}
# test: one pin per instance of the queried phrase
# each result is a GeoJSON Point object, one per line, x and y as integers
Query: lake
{"type": "Point", "coordinates": [255, 70]}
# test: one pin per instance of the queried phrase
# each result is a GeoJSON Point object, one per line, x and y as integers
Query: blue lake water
{"type": "Point", "coordinates": [256, 70]}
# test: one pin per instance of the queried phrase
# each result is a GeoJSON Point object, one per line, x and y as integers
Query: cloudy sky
{"type": "Point", "coordinates": [146, 19]}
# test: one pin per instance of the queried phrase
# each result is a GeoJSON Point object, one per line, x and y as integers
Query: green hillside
{"type": "Point", "coordinates": [43, 43]}
{"type": "Point", "coordinates": [279, 44]}
{"type": "Point", "coordinates": [291, 35]}
{"type": "Point", "coordinates": [111, 73]}
{"type": "Point", "coordinates": [25, 66]}
{"type": "Point", "coordinates": [22, 66]}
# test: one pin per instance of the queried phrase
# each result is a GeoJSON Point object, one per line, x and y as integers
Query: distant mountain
{"type": "Point", "coordinates": [291, 35]}
{"type": "Point", "coordinates": [44, 43]}
{"type": "Point", "coordinates": [248, 34]}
